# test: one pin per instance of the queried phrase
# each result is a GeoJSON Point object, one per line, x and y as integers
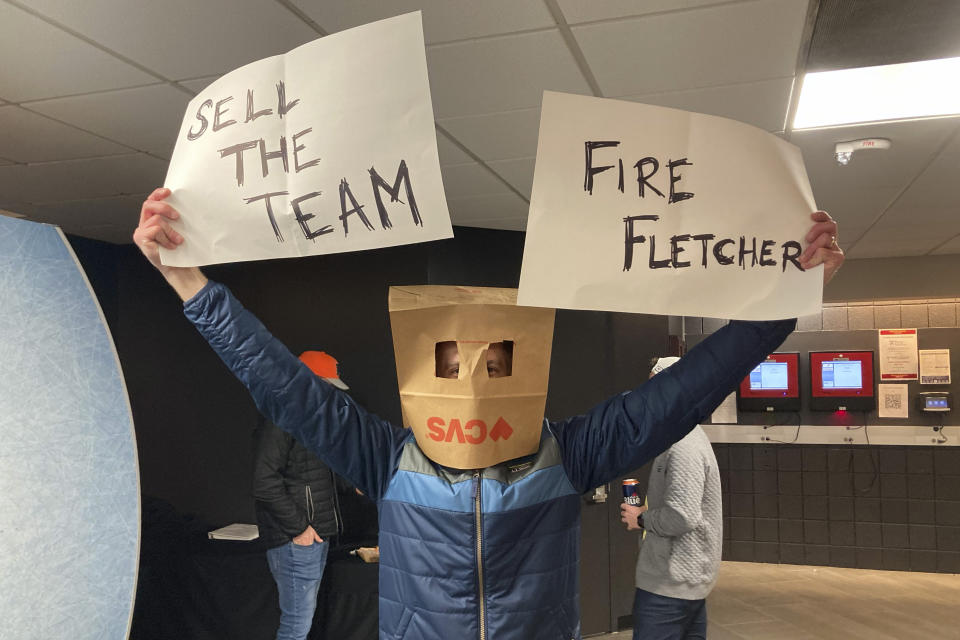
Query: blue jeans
{"type": "Point", "coordinates": [658, 617]}
{"type": "Point", "coordinates": [297, 570]}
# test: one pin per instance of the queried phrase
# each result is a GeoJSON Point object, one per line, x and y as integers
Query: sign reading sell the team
{"type": "Point", "coordinates": [328, 148]}
{"type": "Point", "coordinates": [654, 210]}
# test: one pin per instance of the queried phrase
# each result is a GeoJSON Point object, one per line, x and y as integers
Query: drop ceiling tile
{"type": "Point", "coordinates": [491, 207]}
{"type": "Point", "coordinates": [500, 74]}
{"type": "Point", "coordinates": [928, 212]}
{"type": "Point", "coordinates": [197, 84]}
{"type": "Point", "coordinates": [763, 104]}
{"type": "Point", "coordinates": [145, 118]}
{"type": "Point", "coordinates": [107, 233]}
{"type": "Point", "coordinates": [518, 172]}
{"type": "Point", "coordinates": [28, 137]}
{"type": "Point", "coordinates": [51, 62]}
{"type": "Point", "coordinates": [503, 224]}
{"type": "Point", "coordinates": [443, 20]}
{"type": "Point", "coordinates": [854, 207]}
{"type": "Point", "coordinates": [848, 234]}
{"type": "Point", "coordinates": [933, 199]}
{"type": "Point", "coordinates": [449, 152]}
{"type": "Point", "coordinates": [901, 240]}
{"type": "Point", "coordinates": [85, 217]}
{"type": "Point", "coordinates": [943, 216]}
{"type": "Point", "coordinates": [184, 38]}
{"type": "Point", "coordinates": [497, 136]}
{"type": "Point", "coordinates": [82, 179]}
{"type": "Point", "coordinates": [468, 180]}
{"type": "Point", "coordinates": [862, 190]}
{"type": "Point", "coordinates": [713, 46]}
{"type": "Point", "coordinates": [18, 209]}
{"type": "Point", "coordinates": [951, 246]}
{"type": "Point", "coordinates": [576, 11]}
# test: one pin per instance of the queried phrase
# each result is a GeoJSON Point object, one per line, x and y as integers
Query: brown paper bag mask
{"type": "Point", "coordinates": [474, 420]}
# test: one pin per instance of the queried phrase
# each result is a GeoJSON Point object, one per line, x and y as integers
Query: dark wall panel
{"type": "Point", "coordinates": [99, 260]}
{"type": "Point", "coordinates": [194, 420]}
{"type": "Point", "coordinates": [872, 507]}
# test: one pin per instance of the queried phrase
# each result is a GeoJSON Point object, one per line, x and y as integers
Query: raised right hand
{"type": "Point", "coordinates": [154, 230]}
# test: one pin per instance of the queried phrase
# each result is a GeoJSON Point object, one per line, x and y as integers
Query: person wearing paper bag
{"type": "Point", "coordinates": [487, 551]}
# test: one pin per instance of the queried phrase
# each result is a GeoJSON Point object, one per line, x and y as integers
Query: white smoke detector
{"type": "Point", "coordinates": [843, 151]}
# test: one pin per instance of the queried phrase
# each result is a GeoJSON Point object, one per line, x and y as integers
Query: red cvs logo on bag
{"type": "Point", "coordinates": [472, 431]}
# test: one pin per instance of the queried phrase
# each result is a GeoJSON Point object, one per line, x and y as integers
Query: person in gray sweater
{"type": "Point", "coordinates": [682, 526]}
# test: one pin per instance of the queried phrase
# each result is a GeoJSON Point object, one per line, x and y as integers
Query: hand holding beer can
{"type": "Point", "coordinates": [631, 492]}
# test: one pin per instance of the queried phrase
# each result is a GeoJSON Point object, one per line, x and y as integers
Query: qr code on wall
{"type": "Point", "coordinates": [891, 401]}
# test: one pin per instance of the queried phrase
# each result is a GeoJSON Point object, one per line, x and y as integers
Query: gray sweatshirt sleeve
{"type": "Point", "coordinates": [683, 494]}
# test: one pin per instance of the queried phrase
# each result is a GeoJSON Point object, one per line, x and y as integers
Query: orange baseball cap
{"type": "Point", "coordinates": [325, 366]}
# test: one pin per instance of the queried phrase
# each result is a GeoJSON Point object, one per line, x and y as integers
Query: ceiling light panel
{"type": "Point", "coordinates": [876, 94]}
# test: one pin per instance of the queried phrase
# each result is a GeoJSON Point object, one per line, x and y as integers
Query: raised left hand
{"type": "Point", "coordinates": [823, 248]}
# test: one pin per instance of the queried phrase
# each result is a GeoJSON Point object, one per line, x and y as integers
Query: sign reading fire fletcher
{"type": "Point", "coordinates": [654, 210]}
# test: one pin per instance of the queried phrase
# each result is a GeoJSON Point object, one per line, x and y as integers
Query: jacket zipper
{"type": "Point", "coordinates": [336, 504]}
{"type": "Point", "coordinates": [479, 524]}
{"type": "Point", "coordinates": [309, 498]}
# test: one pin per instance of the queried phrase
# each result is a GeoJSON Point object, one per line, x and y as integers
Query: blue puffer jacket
{"type": "Point", "coordinates": [492, 553]}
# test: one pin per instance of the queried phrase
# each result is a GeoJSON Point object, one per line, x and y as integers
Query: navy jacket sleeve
{"type": "Point", "coordinates": [356, 444]}
{"type": "Point", "coordinates": [627, 430]}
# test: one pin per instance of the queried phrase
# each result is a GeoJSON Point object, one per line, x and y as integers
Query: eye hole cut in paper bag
{"type": "Point", "coordinates": [474, 421]}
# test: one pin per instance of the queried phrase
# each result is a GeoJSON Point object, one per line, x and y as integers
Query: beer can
{"type": "Point", "coordinates": [631, 492]}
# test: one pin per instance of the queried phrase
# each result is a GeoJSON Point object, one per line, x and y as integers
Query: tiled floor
{"type": "Point", "coordinates": [790, 602]}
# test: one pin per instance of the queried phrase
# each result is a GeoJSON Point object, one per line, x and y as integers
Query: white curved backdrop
{"type": "Point", "coordinates": [69, 496]}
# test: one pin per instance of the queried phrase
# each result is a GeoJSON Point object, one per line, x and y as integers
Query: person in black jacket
{"type": "Point", "coordinates": [297, 511]}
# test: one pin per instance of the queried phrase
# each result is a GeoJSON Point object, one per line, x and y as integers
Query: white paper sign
{"type": "Point", "coordinates": [328, 148]}
{"type": "Point", "coordinates": [893, 401]}
{"type": "Point", "coordinates": [726, 413]}
{"type": "Point", "coordinates": [934, 366]}
{"type": "Point", "coordinates": [655, 210]}
{"type": "Point", "coordinates": [898, 354]}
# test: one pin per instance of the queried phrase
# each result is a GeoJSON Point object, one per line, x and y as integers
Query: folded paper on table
{"type": "Point", "coordinates": [236, 531]}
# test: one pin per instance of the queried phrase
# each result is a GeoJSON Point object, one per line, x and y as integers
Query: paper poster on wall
{"type": "Point", "coordinates": [726, 413]}
{"type": "Point", "coordinates": [328, 148]}
{"type": "Point", "coordinates": [655, 210]}
{"type": "Point", "coordinates": [934, 366]}
{"type": "Point", "coordinates": [893, 401]}
{"type": "Point", "coordinates": [898, 354]}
